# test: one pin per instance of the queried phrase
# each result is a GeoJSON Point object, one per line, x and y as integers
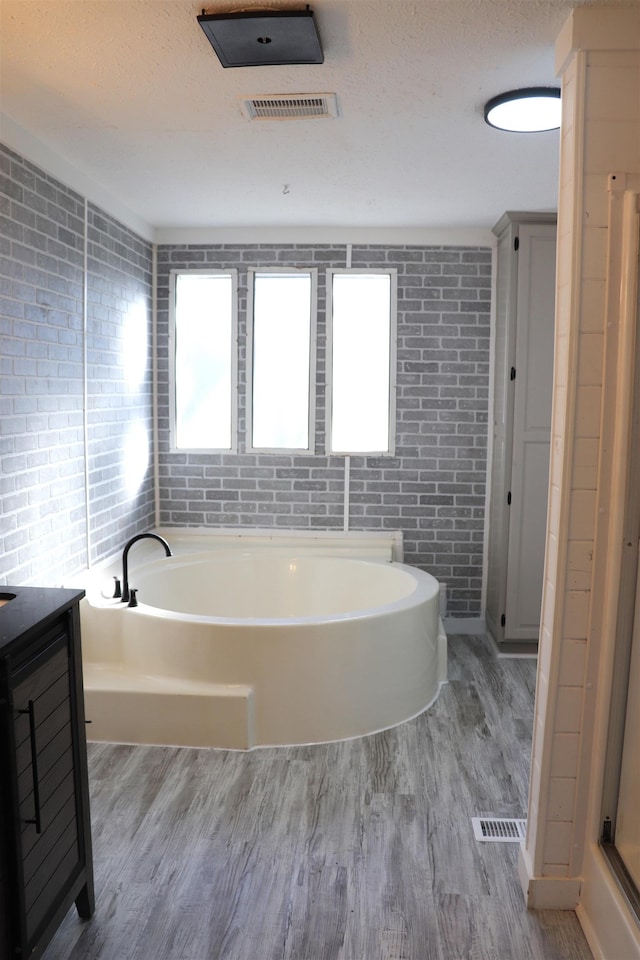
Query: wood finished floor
{"type": "Point", "coordinates": [361, 850]}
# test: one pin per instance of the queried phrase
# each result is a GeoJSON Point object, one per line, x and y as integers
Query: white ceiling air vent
{"type": "Point", "coordinates": [290, 106]}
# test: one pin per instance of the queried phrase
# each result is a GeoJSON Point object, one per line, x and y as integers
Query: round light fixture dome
{"type": "Point", "coordinates": [525, 111]}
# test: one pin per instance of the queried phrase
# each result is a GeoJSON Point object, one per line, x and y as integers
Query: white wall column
{"type": "Point", "coordinates": [598, 57]}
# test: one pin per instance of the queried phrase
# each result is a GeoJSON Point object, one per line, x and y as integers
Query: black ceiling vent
{"type": "Point", "coordinates": [263, 38]}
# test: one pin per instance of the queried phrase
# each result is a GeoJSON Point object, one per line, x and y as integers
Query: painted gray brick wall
{"type": "Point", "coordinates": [42, 524]}
{"type": "Point", "coordinates": [433, 489]}
{"type": "Point", "coordinates": [119, 384]}
{"type": "Point", "coordinates": [43, 444]}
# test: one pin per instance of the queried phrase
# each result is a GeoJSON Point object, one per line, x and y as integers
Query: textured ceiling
{"type": "Point", "coordinates": [132, 94]}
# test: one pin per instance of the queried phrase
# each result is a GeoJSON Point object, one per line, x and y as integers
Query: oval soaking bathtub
{"type": "Point", "coordinates": [262, 648]}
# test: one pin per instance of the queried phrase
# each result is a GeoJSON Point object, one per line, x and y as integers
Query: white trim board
{"type": "Point", "coordinates": [340, 235]}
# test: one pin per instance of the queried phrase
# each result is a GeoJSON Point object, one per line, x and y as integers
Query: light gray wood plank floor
{"type": "Point", "coordinates": [360, 850]}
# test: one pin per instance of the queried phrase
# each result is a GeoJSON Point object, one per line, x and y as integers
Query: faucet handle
{"type": "Point", "coordinates": [133, 600]}
{"type": "Point", "coordinates": [117, 592]}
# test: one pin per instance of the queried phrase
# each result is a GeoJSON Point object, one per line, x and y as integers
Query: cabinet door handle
{"type": "Point", "coordinates": [34, 766]}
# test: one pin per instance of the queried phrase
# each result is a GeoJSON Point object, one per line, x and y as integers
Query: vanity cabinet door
{"type": "Point", "coordinates": [45, 827]}
{"type": "Point", "coordinates": [49, 854]}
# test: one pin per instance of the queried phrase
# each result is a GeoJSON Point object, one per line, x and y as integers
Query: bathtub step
{"type": "Point", "coordinates": [127, 707]}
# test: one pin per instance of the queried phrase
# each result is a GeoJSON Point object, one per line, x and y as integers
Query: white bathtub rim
{"type": "Point", "coordinates": [373, 546]}
{"type": "Point", "coordinates": [426, 587]}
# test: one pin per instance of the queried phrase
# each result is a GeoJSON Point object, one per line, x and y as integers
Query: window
{"type": "Point", "coordinates": [361, 361]}
{"type": "Point", "coordinates": [282, 332]}
{"type": "Point", "coordinates": [204, 333]}
{"type": "Point", "coordinates": [281, 360]}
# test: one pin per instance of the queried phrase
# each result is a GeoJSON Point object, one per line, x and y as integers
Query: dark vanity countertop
{"type": "Point", "coordinates": [30, 607]}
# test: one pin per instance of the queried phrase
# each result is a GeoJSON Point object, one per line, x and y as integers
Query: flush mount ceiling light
{"type": "Point", "coordinates": [263, 38]}
{"type": "Point", "coordinates": [525, 111]}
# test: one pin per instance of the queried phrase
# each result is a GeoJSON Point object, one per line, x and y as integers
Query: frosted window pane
{"type": "Point", "coordinates": [204, 315]}
{"type": "Point", "coordinates": [360, 380]}
{"type": "Point", "coordinates": [281, 345]}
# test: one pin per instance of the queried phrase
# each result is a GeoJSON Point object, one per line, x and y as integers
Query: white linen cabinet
{"type": "Point", "coordinates": [523, 347]}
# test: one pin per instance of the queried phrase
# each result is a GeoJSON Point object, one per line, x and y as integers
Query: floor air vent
{"type": "Point", "coordinates": [292, 106]}
{"type": "Point", "coordinates": [499, 829]}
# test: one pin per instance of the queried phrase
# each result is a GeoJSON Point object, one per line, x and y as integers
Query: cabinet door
{"type": "Point", "coordinates": [502, 430]}
{"type": "Point", "coordinates": [49, 853]}
{"type": "Point", "coordinates": [531, 430]}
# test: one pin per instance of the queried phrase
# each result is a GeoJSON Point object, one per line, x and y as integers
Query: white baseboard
{"type": "Point", "coordinates": [547, 893]}
{"type": "Point", "coordinates": [590, 933]}
{"type": "Point", "coordinates": [466, 626]}
{"type": "Point", "coordinates": [554, 893]}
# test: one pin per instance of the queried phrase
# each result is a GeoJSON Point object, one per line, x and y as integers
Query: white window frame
{"type": "Point", "coordinates": [173, 275]}
{"type": "Point", "coordinates": [312, 272]}
{"type": "Point", "coordinates": [392, 273]}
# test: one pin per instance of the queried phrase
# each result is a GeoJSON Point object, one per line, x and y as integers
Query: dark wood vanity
{"type": "Point", "coordinates": [45, 835]}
